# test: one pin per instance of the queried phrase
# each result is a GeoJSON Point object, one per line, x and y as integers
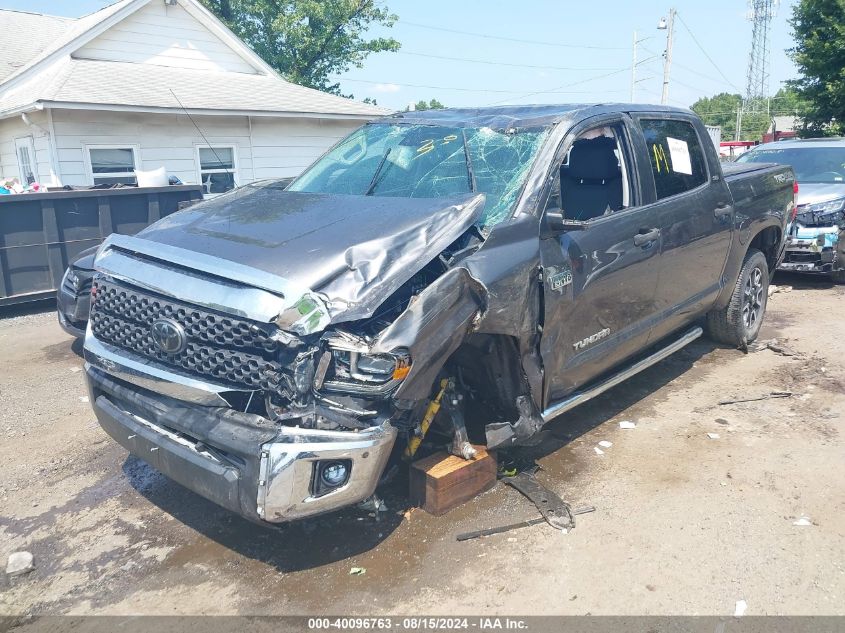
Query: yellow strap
{"type": "Point", "coordinates": [431, 411]}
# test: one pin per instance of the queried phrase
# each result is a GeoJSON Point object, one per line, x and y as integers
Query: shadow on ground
{"type": "Point", "coordinates": [802, 281]}
{"type": "Point", "coordinates": [581, 420]}
{"type": "Point", "coordinates": [27, 308]}
{"type": "Point", "coordinates": [280, 547]}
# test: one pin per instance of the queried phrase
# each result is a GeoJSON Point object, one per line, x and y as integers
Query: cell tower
{"type": "Point", "coordinates": [760, 13]}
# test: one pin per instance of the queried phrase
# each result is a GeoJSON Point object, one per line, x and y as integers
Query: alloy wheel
{"type": "Point", "coordinates": [752, 300]}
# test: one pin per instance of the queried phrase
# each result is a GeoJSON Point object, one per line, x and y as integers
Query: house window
{"type": "Point", "coordinates": [112, 165]}
{"type": "Point", "coordinates": [25, 151]}
{"type": "Point", "coordinates": [217, 168]}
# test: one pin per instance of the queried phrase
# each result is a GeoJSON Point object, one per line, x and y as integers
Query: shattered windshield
{"type": "Point", "coordinates": [429, 161]}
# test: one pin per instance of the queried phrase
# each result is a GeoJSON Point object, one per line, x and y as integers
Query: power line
{"type": "Point", "coordinates": [430, 87]}
{"type": "Point", "coordinates": [496, 63]}
{"type": "Point", "coordinates": [685, 85]}
{"type": "Point", "coordinates": [724, 112]}
{"type": "Point", "coordinates": [704, 52]}
{"type": "Point", "coordinates": [569, 85]}
{"type": "Point", "coordinates": [510, 39]}
{"type": "Point", "coordinates": [687, 68]}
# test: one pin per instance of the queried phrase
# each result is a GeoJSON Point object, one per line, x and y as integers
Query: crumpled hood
{"type": "Point", "coordinates": [815, 192]}
{"type": "Point", "coordinates": [353, 250]}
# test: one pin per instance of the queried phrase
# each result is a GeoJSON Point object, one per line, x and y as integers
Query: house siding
{"type": "Point", "coordinates": [284, 147]}
{"type": "Point", "coordinates": [13, 128]}
{"type": "Point", "coordinates": [273, 148]}
{"type": "Point", "coordinates": [163, 35]}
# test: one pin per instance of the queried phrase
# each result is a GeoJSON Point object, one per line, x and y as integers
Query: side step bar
{"type": "Point", "coordinates": [580, 397]}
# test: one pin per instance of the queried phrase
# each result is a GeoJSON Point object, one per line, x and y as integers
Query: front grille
{"type": "Point", "coordinates": [233, 351]}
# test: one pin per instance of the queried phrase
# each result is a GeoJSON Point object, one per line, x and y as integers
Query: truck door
{"type": "Point", "coordinates": [599, 283]}
{"type": "Point", "coordinates": [694, 212]}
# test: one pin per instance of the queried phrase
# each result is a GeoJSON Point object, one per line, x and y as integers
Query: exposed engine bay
{"type": "Point", "coordinates": [336, 381]}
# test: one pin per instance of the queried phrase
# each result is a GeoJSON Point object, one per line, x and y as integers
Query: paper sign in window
{"type": "Point", "coordinates": [679, 153]}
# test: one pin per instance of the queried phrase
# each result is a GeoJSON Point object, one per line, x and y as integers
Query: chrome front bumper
{"type": "Point", "coordinates": [242, 462]}
{"type": "Point", "coordinates": [288, 463]}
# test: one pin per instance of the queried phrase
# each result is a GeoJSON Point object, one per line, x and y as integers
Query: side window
{"type": "Point", "coordinates": [593, 179]}
{"type": "Point", "coordinates": [677, 160]}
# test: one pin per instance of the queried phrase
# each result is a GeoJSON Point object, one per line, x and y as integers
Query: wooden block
{"type": "Point", "coordinates": [442, 481]}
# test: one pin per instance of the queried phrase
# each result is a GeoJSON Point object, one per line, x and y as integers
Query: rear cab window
{"type": "Point", "coordinates": [677, 159]}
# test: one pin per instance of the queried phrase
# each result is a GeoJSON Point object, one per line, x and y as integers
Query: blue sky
{"type": "Point", "coordinates": [567, 51]}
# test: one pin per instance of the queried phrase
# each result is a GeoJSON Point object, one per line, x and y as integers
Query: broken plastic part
{"type": "Point", "coordinates": [401, 371]}
{"type": "Point", "coordinates": [308, 315]}
{"type": "Point", "coordinates": [521, 432]}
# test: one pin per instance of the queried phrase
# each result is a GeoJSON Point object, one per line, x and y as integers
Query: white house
{"type": "Point", "coordinates": [87, 101]}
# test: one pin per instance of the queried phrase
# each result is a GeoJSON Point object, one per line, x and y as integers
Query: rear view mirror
{"type": "Point", "coordinates": [555, 222]}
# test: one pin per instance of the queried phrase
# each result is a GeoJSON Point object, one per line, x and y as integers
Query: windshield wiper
{"type": "Point", "coordinates": [470, 171]}
{"type": "Point", "coordinates": [374, 180]}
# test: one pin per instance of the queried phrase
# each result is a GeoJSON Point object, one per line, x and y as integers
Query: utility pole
{"type": "Point", "coordinates": [738, 132]}
{"type": "Point", "coordinates": [634, 64]}
{"type": "Point", "coordinates": [669, 26]}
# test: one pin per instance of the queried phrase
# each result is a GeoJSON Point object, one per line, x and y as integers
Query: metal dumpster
{"type": "Point", "coordinates": [41, 233]}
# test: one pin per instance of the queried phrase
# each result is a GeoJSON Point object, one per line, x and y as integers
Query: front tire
{"type": "Point", "coordinates": [739, 322]}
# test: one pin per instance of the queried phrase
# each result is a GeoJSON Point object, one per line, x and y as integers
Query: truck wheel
{"type": "Point", "coordinates": [838, 276]}
{"type": "Point", "coordinates": [739, 322]}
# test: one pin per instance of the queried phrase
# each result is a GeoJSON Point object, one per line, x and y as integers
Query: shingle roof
{"type": "Point", "coordinates": [139, 85]}
{"type": "Point", "coordinates": [25, 36]}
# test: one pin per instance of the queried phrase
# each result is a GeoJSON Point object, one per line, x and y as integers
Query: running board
{"type": "Point", "coordinates": [581, 397]}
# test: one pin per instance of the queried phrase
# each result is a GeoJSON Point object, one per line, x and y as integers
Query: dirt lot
{"type": "Point", "coordinates": [685, 524]}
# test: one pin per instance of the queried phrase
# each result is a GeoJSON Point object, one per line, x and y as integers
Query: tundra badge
{"type": "Point", "coordinates": [591, 339]}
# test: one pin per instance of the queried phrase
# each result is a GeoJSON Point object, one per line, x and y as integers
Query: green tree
{"type": "Point", "coordinates": [787, 101]}
{"type": "Point", "coordinates": [818, 27]}
{"type": "Point", "coordinates": [308, 40]}
{"type": "Point", "coordinates": [422, 104]}
{"type": "Point", "coordinates": [721, 110]}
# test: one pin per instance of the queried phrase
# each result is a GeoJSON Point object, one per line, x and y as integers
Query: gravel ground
{"type": "Point", "coordinates": [686, 522]}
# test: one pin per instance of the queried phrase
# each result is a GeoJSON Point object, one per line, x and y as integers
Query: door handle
{"type": "Point", "coordinates": [722, 209]}
{"type": "Point", "coordinates": [646, 236]}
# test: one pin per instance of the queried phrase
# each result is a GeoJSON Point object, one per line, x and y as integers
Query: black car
{"type": "Point", "coordinates": [73, 298]}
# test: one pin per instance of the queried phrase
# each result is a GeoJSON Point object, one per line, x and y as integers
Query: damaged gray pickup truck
{"type": "Point", "coordinates": [273, 348]}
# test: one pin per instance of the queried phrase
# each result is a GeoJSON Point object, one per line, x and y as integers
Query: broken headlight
{"type": "Point", "coordinates": [373, 368]}
{"type": "Point", "coordinates": [826, 207]}
{"type": "Point", "coordinates": [353, 369]}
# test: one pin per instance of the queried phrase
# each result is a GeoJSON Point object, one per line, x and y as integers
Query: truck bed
{"type": "Point", "coordinates": [734, 170]}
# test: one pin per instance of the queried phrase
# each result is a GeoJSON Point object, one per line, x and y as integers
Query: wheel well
{"type": "Point", "coordinates": [767, 242]}
{"type": "Point", "coordinates": [488, 368]}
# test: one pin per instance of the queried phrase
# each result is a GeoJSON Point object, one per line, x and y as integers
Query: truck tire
{"type": "Point", "coordinates": [838, 276]}
{"type": "Point", "coordinates": [739, 322]}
